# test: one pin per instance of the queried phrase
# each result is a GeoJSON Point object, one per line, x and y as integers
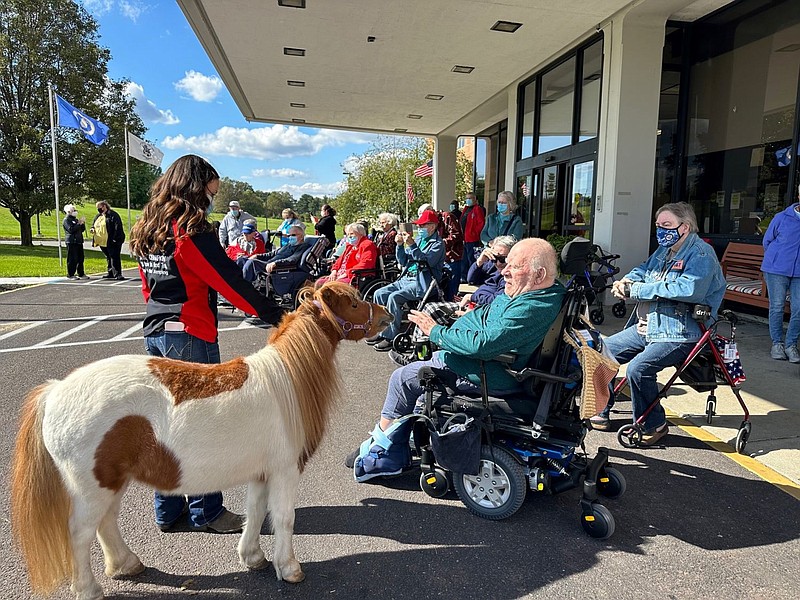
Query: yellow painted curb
{"type": "Point", "coordinates": [763, 471]}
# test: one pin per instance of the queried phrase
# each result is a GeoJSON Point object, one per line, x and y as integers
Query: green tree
{"type": "Point", "coordinates": [249, 200]}
{"type": "Point", "coordinates": [277, 201]}
{"type": "Point", "coordinates": [142, 178]}
{"type": "Point", "coordinates": [55, 42]}
{"type": "Point", "coordinates": [308, 205]}
{"type": "Point", "coordinates": [377, 181]}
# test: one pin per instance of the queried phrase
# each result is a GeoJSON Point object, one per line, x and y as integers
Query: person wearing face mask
{"type": "Point", "coordinates": [74, 226]}
{"type": "Point", "coordinates": [107, 233]}
{"type": "Point", "coordinates": [454, 211]}
{"type": "Point", "coordinates": [682, 272]}
{"type": "Point", "coordinates": [183, 267]}
{"type": "Point", "coordinates": [290, 219]}
{"type": "Point", "coordinates": [449, 230]}
{"type": "Point", "coordinates": [781, 267]}
{"type": "Point", "coordinates": [504, 221]}
{"type": "Point", "coordinates": [473, 218]}
{"type": "Point", "coordinates": [231, 226]}
{"type": "Point", "coordinates": [284, 257]}
{"type": "Point", "coordinates": [422, 259]}
{"type": "Point", "coordinates": [360, 253]}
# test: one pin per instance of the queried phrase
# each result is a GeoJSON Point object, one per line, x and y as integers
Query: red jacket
{"type": "Point", "coordinates": [235, 251]}
{"type": "Point", "coordinates": [450, 231]}
{"type": "Point", "coordinates": [363, 255]}
{"type": "Point", "coordinates": [181, 284]}
{"type": "Point", "coordinates": [472, 221]}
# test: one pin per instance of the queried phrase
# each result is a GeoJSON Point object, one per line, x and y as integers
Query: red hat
{"type": "Point", "coordinates": [428, 216]}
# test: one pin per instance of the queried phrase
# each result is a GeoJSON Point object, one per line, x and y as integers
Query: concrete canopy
{"type": "Point", "coordinates": [356, 84]}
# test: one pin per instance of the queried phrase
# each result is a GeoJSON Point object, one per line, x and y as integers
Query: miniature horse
{"type": "Point", "coordinates": [181, 428]}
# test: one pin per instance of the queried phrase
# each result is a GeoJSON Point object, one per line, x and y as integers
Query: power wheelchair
{"type": "Point", "coordinates": [284, 285]}
{"type": "Point", "coordinates": [527, 441]}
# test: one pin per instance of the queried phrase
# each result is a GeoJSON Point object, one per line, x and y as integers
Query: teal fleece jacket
{"type": "Point", "coordinates": [516, 325]}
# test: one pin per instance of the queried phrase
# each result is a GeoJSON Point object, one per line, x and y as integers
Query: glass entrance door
{"type": "Point", "coordinates": [551, 213]}
{"type": "Point", "coordinates": [560, 199]}
{"type": "Point", "coordinates": [579, 213]}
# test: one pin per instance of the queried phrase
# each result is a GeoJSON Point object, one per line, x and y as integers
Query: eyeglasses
{"type": "Point", "coordinates": [499, 258]}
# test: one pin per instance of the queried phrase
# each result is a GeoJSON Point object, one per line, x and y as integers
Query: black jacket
{"type": "Point", "coordinates": [285, 257]}
{"type": "Point", "coordinates": [74, 230]}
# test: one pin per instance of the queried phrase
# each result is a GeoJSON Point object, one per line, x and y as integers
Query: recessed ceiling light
{"type": "Point", "coordinates": [414, 116]}
{"type": "Point", "coordinates": [462, 69]}
{"type": "Point", "coordinates": [298, 120]}
{"type": "Point", "coordinates": [400, 130]}
{"type": "Point", "coordinates": [370, 39]}
{"type": "Point", "coordinates": [294, 51]}
{"type": "Point", "coordinates": [295, 83]}
{"type": "Point", "coordinates": [789, 48]}
{"type": "Point", "coordinates": [506, 26]}
{"type": "Point", "coordinates": [292, 3]}
{"type": "Point", "coordinates": [297, 105]}
{"type": "Point", "coordinates": [434, 97]}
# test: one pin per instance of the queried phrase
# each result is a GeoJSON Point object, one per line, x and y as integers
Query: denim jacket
{"type": "Point", "coordinates": [673, 285]}
{"type": "Point", "coordinates": [430, 251]}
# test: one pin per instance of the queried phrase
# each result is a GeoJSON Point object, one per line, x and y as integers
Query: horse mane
{"type": "Point", "coordinates": [306, 346]}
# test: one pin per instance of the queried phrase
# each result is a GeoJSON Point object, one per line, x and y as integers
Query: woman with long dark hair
{"type": "Point", "coordinates": [182, 267]}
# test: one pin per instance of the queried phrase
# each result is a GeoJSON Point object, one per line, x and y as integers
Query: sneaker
{"type": "Point", "coordinates": [120, 278]}
{"type": "Point", "coordinates": [109, 276]}
{"type": "Point", "coordinates": [83, 277]}
{"type": "Point", "coordinates": [350, 459]}
{"type": "Point", "coordinates": [793, 354]}
{"type": "Point", "coordinates": [650, 439]}
{"type": "Point", "coordinates": [778, 352]}
{"type": "Point", "coordinates": [71, 277]}
{"type": "Point", "coordinates": [402, 359]}
{"type": "Point", "coordinates": [600, 423]}
{"type": "Point", "coordinates": [383, 346]}
{"type": "Point", "coordinates": [227, 522]}
{"type": "Point", "coordinates": [373, 340]}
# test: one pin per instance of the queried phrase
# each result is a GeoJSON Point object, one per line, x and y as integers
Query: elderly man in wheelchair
{"type": "Point", "coordinates": [516, 321]}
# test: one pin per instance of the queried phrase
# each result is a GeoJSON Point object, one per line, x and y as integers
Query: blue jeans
{"type": "Point", "coordinates": [469, 257]}
{"type": "Point", "coordinates": [645, 360]}
{"type": "Point", "coordinates": [182, 346]}
{"type": "Point", "coordinates": [405, 390]}
{"type": "Point", "coordinates": [393, 297]}
{"type": "Point", "coordinates": [777, 286]}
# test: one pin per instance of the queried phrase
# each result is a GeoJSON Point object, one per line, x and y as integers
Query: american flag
{"type": "Point", "coordinates": [425, 170]}
{"type": "Point", "coordinates": [409, 192]}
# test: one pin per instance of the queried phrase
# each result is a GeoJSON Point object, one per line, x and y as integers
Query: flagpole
{"type": "Point", "coordinates": [55, 171]}
{"type": "Point", "coordinates": [127, 179]}
{"type": "Point", "coordinates": [406, 194]}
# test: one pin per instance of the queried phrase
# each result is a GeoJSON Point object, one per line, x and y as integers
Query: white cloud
{"type": "Point", "coordinates": [313, 189]}
{"type": "Point", "coordinates": [147, 109]}
{"type": "Point", "coordinates": [264, 143]}
{"type": "Point", "coordinates": [203, 88]}
{"type": "Point", "coordinates": [282, 173]}
{"type": "Point", "coordinates": [130, 9]}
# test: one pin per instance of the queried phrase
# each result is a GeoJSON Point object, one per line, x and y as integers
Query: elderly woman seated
{"type": "Point", "coordinates": [250, 242]}
{"type": "Point", "coordinates": [360, 253]}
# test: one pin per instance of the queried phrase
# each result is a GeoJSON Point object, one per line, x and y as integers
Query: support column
{"type": "Point", "coordinates": [628, 128]}
{"type": "Point", "coordinates": [444, 172]}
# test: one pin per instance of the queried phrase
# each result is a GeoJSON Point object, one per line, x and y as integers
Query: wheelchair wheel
{"type": "Point", "coordinates": [403, 344]}
{"type": "Point", "coordinates": [498, 490]}
{"type": "Point", "coordinates": [711, 409]}
{"type": "Point", "coordinates": [611, 483]}
{"type": "Point", "coordinates": [600, 523]}
{"type": "Point", "coordinates": [619, 309]}
{"type": "Point", "coordinates": [368, 293]}
{"type": "Point", "coordinates": [597, 317]}
{"type": "Point", "coordinates": [629, 436]}
{"type": "Point", "coordinates": [743, 436]}
{"type": "Point", "coordinates": [434, 483]}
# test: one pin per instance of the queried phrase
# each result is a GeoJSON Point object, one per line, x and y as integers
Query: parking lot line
{"type": "Point", "coordinates": [751, 464]}
{"type": "Point", "coordinates": [27, 327]}
{"type": "Point", "coordinates": [61, 336]}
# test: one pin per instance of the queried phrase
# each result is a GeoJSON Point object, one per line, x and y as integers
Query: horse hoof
{"type": "Point", "coordinates": [262, 564]}
{"type": "Point", "coordinates": [296, 576]}
{"type": "Point", "coordinates": [126, 572]}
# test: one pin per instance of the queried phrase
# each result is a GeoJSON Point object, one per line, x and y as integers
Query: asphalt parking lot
{"type": "Point", "coordinates": [692, 524]}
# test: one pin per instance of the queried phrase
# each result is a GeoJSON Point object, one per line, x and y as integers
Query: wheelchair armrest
{"type": "Point", "coordinates": [528, 372]}
{"type": "Point", "coordinates": [506, 358]}
{"type": "Point", "coordinates": [364, 272]}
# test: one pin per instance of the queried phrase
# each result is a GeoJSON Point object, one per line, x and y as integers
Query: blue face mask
{"type": "Point", "coordinates": [292, 240]}
{"type": "Point", "coordinates": [423, 233]}
{"type": "Point", "coordinates": [351, 239]}
{"type": "Point", "coordinates": [468, 202]}
{"type": "Point", "coordinates": [667, 238]}
{"type": "Point", "coordinates": [452, 207]}
{"type": "Point", "coordinates": [502, 208]}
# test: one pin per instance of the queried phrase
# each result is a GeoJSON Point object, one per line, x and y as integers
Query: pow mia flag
{"type": "Point", "coordinates": [144, 151]}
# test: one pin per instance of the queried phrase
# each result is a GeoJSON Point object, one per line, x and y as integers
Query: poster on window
{"type": "Point", "coordinates": [736, 200]}
{"type": "Point", "coordinates": [720, 198]}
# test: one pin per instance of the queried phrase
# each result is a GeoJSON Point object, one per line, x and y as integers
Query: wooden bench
{"type": "Point", "coordinates": [741, 264]}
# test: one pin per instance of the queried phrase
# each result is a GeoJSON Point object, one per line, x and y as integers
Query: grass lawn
{"type": "Point", "coordinates": [42, 261]}
{"type": "Point", "coordinates": [9, 226]}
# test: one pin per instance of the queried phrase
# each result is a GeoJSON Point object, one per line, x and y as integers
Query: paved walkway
{"type": "Point", "coordinates": [770, 392]}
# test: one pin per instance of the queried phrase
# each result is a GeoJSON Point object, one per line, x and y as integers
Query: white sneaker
{"type": "Point", "coordinates": [793, 354]}
{"type": "Point", "coordinates": [778, 352]}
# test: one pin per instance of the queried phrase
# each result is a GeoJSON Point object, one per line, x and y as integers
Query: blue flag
{"type": "Point", "coordinates": [69, 116]}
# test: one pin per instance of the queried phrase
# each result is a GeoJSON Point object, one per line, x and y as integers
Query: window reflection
{"type": "Point", "coordinates": [558, 93]}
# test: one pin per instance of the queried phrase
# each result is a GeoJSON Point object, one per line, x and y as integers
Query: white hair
{"type": "Point", "coordinates": [423, 208]}
{"type": "Point", "coordinates": [69, 208]}
{"type": "Point", "coordinates": [357, 228]}
{"type": "Point", "coordinates": [393, 219]}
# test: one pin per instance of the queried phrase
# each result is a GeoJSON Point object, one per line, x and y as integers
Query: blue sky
{"type": "Point", "coordinates": [186, 108]}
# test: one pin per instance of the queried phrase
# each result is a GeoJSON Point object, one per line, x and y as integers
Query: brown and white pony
{"type": "Point", "coordinates": [181, 428]}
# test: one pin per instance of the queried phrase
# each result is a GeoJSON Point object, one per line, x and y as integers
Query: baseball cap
{"type": "Point", "coordinates": [233, 204]}
{"type": "Point", "coordinates": [248, 228]}
{"type": "Point", "coordinates": [428, 216]}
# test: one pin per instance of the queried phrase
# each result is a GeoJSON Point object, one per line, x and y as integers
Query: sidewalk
{"type": "Point", "coordinates": [770, 393]}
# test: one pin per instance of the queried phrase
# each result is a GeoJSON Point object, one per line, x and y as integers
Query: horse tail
{"type": "Point", "coordinates": [40, 503]}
